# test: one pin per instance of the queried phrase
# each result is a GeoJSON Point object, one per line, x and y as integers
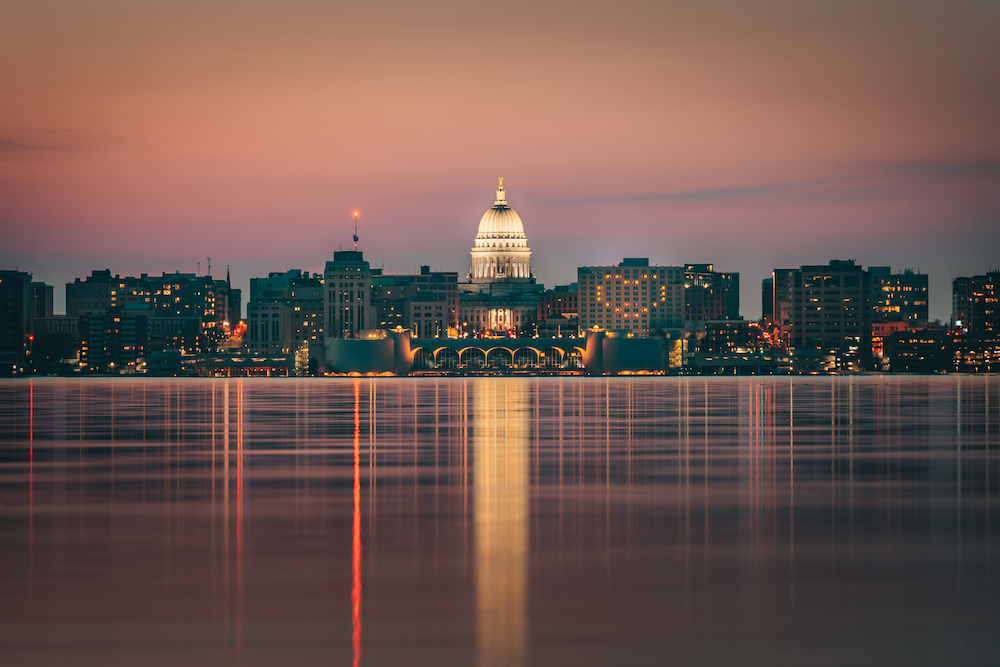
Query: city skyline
{"type": "Point", "coordinates": [750, 135]}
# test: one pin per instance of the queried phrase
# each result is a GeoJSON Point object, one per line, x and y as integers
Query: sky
{"type": "Point", "coordinates": [145, 137]}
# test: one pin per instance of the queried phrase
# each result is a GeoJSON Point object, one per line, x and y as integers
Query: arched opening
{"type": "Point", "coordinates": [499, 357]}
{"type": "Point", "coordinates": [446, 358]}
{"type": "Point", "coordinates": [423, 359]}
{"type": "Point", "coordinates": [472, 357]}
{"type": "Point", "coordinates": [576, 358]}
{"type": "Point", "coordinates": [552, 357]}
{"type": "Point", "coordinates": [525, 357]}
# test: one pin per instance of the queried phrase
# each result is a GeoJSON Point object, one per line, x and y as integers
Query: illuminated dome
{"type": "Point", "coordinates": [500, 222]}
{"type": "Point", "coordinates": [500, 252]}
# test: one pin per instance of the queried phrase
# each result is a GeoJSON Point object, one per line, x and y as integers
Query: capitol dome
{"type": "Point", "coordinates": [501, 221]}
{"type": "Point", "coordinates": [500, 251]}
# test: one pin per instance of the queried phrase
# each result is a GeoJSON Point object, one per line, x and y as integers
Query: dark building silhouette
{"type": "Point", "coordinates": [15, 319]}
{"type": "Point", "coordinates": [113, 342]}
{"type": "Point", "coordinates": [427, 303]}
{"type": "Point", "coordinates": [975, 309]}
{"type": "Point", "coordinates": [730, 336]}
{"type": "Point", "coordinates": [976, 320]}
{"type": "Point", "coordinates": [710, 295]}
{"type": "Point", "coordinates": [767, 299]}
{"type": "Point", "coordinates": [348, 286]}
{"type": "Point", "coordinates": [41, 300]}
{"type": "Point", "coordinates": [557, 301]}
{"type": "Point", "coordinates": [285, 311]}
{"type": "Point", "coordinates": [781, 303]}
{"type": "Point", "coordinates": [830, 313]}
{"type": "Point", "coordinates": [926, 350]}
{"type": "Point", "coordinates": [92, 295]}
{"type": "Point", "coordinates": [899, 296]}
{"type": "Point", "coordinates": [183, 310]}
{"type": "Point", "coordinates": [56, 338]}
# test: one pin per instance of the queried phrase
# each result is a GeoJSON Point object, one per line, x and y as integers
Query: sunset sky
{"type": "Point", "coordinates": [147, 136]}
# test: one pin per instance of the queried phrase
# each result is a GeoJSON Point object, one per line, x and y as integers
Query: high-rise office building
{"type": "Point", "coordinates": [780, 302]}
{"type": "Point", "coordinates": [301, 320]}
{"type": "Point", "coordinates": [41, 300]}
{"type": "Point", "coordinates": [113, 341]}
{"type": "Point", "coordinates": [171, 302]}
{"type": "Point", "coordinates": [426, 303]}
{"type": "Point", "coordinates": [710, 295]}
{"type": "Point", "coordinates": [899, 296]}
{"type": "Point", "coordinates": [975, 308]}
{"type": "Point", "coordinates": [92, 295]}
{"type": "Point", "coordinates": [632, 297]}
{"type": "Point", "coordinates": [269, 328]}
{"type": "Point", "coordinates": [830, 310]}
{"type": "Point", "coordinates": [767, 299]}
{"type": "Point", "coordinates": [347, 282]}
{"type": "Point", "coordinates": [15, 319]}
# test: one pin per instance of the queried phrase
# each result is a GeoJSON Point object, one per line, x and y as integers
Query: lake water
{"type": "Point", "coordinates": [500, 521]}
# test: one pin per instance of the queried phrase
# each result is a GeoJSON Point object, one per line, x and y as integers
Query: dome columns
{"type": "Point", "coordinates": [497, 266]}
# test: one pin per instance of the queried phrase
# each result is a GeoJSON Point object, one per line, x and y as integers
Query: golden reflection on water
{"type": "Point", "coordinates": [233, 608]}
{"type": "Point", "coordinates": [501, 485]}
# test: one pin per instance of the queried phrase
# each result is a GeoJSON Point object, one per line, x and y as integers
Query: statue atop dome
{"type": "Point", "coordinates": [501, 195]}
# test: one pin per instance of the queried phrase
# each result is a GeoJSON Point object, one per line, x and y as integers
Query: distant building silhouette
{"type": "Point", "coordinates": [780, 309]}
{"type": "Point", "coordinates": [114, 341]}
{"type": "Point", "coordinates": [42, 300]}
{"type": "Point", "coordinates": [15, 319]}
{"type": "Point", "coordinates": [830, 315]}
{"type": "Point", "coordinates": [348, 288]}
{"type": "Point", "coordinates": [975, 309]}
{"type": "Point", "coordinates": [286, 310]}
{"type": "Point", "coordinates": [900, 296]}
{"type": "Point", "coordinates": [92, 295]}
{"type": "Point", "coordinates": [426, 303]}
{"type": "Point", "coordinates": [709, 295]}
{"type": "Point", "coordinates": [562, 299]}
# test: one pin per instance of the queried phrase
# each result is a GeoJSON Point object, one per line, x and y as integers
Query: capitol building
{"type": "Point", "coordinates": [501, 255]}
{"type": "Point", "coordinates": [500, 293]}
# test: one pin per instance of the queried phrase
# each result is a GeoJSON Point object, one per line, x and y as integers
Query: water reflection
{"type": "Point", "coordinates": [356, 532]}
{"type": "Point", "coordinates": [500, 456]}
{"type": "Point", "coordinates": [506, 521]}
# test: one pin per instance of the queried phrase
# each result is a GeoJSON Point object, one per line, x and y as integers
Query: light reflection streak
{"type": "Point", "coordinates": [31, 508]}
{"type": "Point", "coordinates": [372, 458]}
{"type": "Point", "coordinates": [31, 472]}
{"type": "Point", "coordinates": [356, 540]}
{"type": "Point", "coordinates": [225, 508]}
{"type": "Point", "coordinates": [791, 493]}
{"type": "Point", "coordinates": [239, 515]}
{"type": "Point", "coordinates": [500, 481]}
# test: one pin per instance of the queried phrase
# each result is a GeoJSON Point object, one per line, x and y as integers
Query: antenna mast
{"type": "Point", "coordinates": [355, 231]}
